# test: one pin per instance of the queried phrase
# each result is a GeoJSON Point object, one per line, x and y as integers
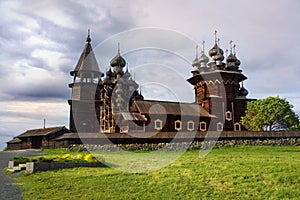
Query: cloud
{"type": "Point", "coordinates": [41, 42]}
{"type": "Point", "coordinates": [33, 37]}
{"type": "Point", "coordinates": [18, 116]}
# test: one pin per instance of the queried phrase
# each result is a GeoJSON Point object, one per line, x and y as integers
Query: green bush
{"type": "Point", "coordinates": [45, 159]}
{"type": "Point", "coordinates": [21, 159]}
{"type": "Point", "coordinates": [66, 157]}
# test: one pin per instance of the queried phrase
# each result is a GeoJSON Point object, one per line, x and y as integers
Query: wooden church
{"type": "Point", "coordinates": [112, 104]}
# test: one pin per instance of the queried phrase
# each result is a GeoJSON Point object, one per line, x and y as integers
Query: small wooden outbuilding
{"type": "Point", "coordinates": [37, 138]}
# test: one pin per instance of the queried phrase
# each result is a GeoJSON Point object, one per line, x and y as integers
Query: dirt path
{"type": "Point", "coordinates": [8, 189]}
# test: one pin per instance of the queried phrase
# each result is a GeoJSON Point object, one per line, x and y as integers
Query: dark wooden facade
{"type": "Point", "coordinates": [219, 87]}
{"type": "Point", "coordinates": [103, 103]}
{"type": "Point", "coordinates": [85, 104]}
{"type": "Point", "coordinates": [112, 105]}
{"type": "Point", "coordinates": [171, 116]}
{"type": "Point", "coordinates": [37, 138]}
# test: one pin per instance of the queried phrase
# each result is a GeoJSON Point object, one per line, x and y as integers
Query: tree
{"type": "Point", "coordinates": [270, 114]}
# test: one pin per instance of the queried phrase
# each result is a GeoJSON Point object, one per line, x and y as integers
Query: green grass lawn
{"type": "Point", "coordinates": [245, 172]}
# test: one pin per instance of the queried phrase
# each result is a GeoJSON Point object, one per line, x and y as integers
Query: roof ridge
{"type": "Point", "coordinates": [177, 102]}
{"type": "Point", "coordinates": [54, 127]}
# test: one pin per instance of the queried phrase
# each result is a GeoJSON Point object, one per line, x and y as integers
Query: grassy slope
{"type": "Point", "coordinates": [226, 173]}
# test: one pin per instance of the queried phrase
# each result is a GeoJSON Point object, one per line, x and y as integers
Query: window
{"type": "Point", "coordinates": [237, 127]}
{"type": "Point", "coordinates": [219, 126]}
{"type": "Point", "coordinates": [178, 125]}
{"type": "Point", "coordinates": [228, 115]}
{"type": "Point", "coordinates": [202, 126]}
{"type": "Point", "coordinates": [158, 124]}
{"type": "Point", "coordinates": [95, 80]}
{"type": "Point", "coordinates": [77, 79]}
{"type": "Point", "coordinates": [190, 125]}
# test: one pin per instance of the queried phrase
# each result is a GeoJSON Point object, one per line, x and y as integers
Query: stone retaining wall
{"type": "Point", "coordinates": [45, 166]}
{"type": "Point", "coordinates": [31, 167]}
{"type": "Point", "coordinates": [184, 145]}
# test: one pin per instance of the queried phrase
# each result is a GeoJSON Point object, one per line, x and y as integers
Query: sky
{"type": "Point", "coordinates": [41, 42]}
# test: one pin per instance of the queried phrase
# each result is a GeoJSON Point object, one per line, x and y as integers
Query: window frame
{"type": "Point", "coordinates": [160, 124]}
{"type": "Point", "coordinates": [188, 125]}
{"type": "Point", "coordinates": [220, 124]}
{"type": "Point", "coordinates": [180, 125]}
{"type": "Point", "coordinates": [239, 125]}
{"type": "Point", "coordinates": [200, 126]}
{"type": "Point", "coordinates": [229, 118]}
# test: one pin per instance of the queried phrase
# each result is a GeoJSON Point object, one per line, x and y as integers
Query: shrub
{"type": "Point", "coordinates": [67, 157]}
{"type": "Point", "coordinates": [45, 159]}
{"type": "Point", "coordinates": [91, 158]}
{"type": "Point", "coordinates": [21, 159]}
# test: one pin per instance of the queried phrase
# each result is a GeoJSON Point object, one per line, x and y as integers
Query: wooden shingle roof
{"type": "Point", "coordinates": [87, 60]}
{"type": "Point", "coordinates": [42, 131]}
{"type": "Point", "coordinates": [14, 141]}
{"type": "Point", "coordinates": [171, 108]}
{"type": "Point", "coordinates": [133, 116]}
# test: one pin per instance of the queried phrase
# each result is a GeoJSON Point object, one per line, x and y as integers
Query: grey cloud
{"type": "Point", "coordinates": [39, 90]}
{"type": "Point", "coordinates": [266, 32]}
{"type": "Point", "coordinates": [71, 42]}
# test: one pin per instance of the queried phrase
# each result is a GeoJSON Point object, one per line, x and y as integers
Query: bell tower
{"type": "Point", "coordinates": [84, 104]}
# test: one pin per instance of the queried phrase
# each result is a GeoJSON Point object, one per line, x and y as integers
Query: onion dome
{"type": "Point", "coordinates": [231, 58]}
{"type": "Point", "coordinates": [215, 50]}
{"type": "Point", "coordinates": [118, 60]}
{"type": "Point", "coordinates": [218, 57]}
{"type": "Point", "coordinates": [243, 92]}
{"type": "Point", "coordinates": [230, 62]}
{"type": "Point", "coordinates": [237, 61]}
{"type": "Point", "coordinates": [203, 59]}
{"type": "Point", "coordinates": [196, 63]}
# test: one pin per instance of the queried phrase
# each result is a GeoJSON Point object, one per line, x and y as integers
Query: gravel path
{"type": "Point", "coordinates": [8, 189]}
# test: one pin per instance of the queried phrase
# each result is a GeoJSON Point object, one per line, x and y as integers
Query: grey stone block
{"type": "Point", "coordinates": [30, 167]}
{"type": "Point", "coordinates": [10, 164]}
